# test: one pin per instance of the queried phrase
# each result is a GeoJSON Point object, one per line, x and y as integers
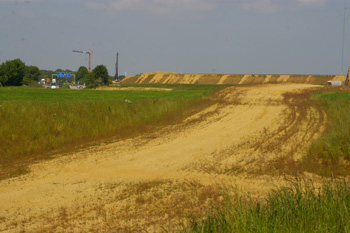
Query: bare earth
{"type": "Point", "coordinates": [156, 180]}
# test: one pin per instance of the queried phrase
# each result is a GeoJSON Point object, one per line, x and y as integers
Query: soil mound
{"type": "Point", "coordinates": [176, 78]}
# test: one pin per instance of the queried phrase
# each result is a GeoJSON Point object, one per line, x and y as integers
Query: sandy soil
{"type": "Point", "coordinates": [133, 89]}
{"type": "Point", "coordinates": [158, 179]}
{"type": "Point", "coordinates": [245, 79]}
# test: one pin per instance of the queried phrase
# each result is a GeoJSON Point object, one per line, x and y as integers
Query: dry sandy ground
{"type": "Point", "coordinates": [133, 89]}
{"type": "Point", "coordinates": [246, 79]}
{"type": "Point", "coordinates": [156, 180]}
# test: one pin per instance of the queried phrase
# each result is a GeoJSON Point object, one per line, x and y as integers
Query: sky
{"type": "Point", "coordinates": [184, 36]}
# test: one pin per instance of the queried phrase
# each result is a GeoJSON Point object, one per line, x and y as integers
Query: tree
{"type": "Point", "coordinates": [101, 75]}
{"type": "Point", "coordinates": [98, 76]}
{"type": "Point", "coordinates": [81, 73]}
{"type": "Point", "coordinates": [12, 72]}
{"type": "Point", "coordinates": [32, 74]}
{"type": "Point", "coordinates": [46, 73]}
{"type": "Point", "coordinates": [90, 80]}
{"type": "Point", "coordinates": [3, 75]}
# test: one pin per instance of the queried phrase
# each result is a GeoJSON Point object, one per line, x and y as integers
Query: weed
{"type": "Point", "coordinates": [301, 207]}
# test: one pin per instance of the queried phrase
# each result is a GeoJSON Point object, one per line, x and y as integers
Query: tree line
{"type": "Point", "coordinates": [16, 73]}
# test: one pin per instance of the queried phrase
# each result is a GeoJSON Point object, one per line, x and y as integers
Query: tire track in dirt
{"type": "Point", "coordinates": [304, 122]}
{"type": "Point", "coordinates": [277, 149]}
{"type": "Point", "coordinates": [157, 179]}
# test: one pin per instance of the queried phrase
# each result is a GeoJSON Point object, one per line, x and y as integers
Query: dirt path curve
{"type": "Point", "coordinates": [156, 180]}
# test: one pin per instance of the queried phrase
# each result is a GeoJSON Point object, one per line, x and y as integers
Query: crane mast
{"type": "Point", "coordinates": [346, 83]}
{"type": "Point", "coordinates": [86, 52]}
{"type": "Point", "coordinates": [346, 14]}
{"type": "Point", "coordinates": [116, 69]}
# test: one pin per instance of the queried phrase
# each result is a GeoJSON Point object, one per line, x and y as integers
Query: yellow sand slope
{"type": "Point", "coordinates": [172, 78]}
{"type": "Point", "coordinates": [155, 180]}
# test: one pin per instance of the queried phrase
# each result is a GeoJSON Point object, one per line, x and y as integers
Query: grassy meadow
{"type": "Point", "coordinates": [329, 155]}
{"type": "Point", "coordinates": [37, 122]}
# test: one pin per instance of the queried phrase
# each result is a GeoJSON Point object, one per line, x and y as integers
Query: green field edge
{"type": "Point", "coordinates": [329, 155]}
{"type": "Point", "coordinates": [302, 206]}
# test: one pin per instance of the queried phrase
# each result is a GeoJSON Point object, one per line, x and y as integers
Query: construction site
{"type": "Point", "coordinates": [247, 139]}
{"type": "Point", "coordinates": [252, 137]}
{"type": "Point", "coordinates": [234, 116]}
{"type": "Point", "coordinates": [241, 79]}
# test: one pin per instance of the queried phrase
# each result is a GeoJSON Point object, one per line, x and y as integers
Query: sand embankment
{"type": "Point", "coordinates": [154, 180]}
{"type": "Point", "coordinates": [176, 78]}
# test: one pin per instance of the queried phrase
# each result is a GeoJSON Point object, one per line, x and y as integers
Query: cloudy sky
{"type": "Point", "coordinates": [185, 36]}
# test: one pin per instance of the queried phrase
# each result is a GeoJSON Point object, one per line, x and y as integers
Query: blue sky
{"type": "Point", "coordinates": [185, 36]}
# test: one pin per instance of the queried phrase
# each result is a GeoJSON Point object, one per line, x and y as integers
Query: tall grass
{"type": "Point", "coordinates": [206, 89]}
{"type": "Point", "coordinates": [298, 208]}
{"type": "Point", "coordinates": [27, 94]}
{"type": "Point", "coordinates": [34, 122]}
{"type": "Point", "coordinates": [330, 154]}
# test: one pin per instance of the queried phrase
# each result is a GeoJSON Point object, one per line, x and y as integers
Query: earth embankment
{"type": "Point", "coordinates": [245, 79]}
{"type": "Point", "coordinates": [246, 139]}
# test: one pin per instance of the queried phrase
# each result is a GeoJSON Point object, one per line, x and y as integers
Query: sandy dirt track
{"type": "Point", "coordinates": [157, 179]}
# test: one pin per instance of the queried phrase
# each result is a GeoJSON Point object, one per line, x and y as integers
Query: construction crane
{"type": "Point", "coordinates": [86, 52]}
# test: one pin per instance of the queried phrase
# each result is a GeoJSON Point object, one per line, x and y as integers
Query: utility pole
{"type": "Point", "coordinates": [346, 15]}
{"type": "Point", "coordinates": [116, 69]}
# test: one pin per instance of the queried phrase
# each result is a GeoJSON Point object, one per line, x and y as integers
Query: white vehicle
{"type": "Point", "coordinates": [334, 83]}
{"type": "Point", "coordinates": [53, 84]}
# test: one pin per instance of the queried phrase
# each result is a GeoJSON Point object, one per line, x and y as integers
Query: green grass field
{"type": "Point", "coordinates": [37, 122]}
{"type": "Point", "coordinates": [22, 94]}
{"type": "Point", "coordinates": [330, 154]}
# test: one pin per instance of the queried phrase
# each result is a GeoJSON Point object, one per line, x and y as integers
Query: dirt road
{"type": "Point", "coordinates": [245, 140]}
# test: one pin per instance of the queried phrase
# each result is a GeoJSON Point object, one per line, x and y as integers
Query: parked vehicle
{"type": "Point", "coordinates": [54, 84]}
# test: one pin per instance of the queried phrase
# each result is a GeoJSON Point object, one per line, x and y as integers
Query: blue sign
{"type": "Point", "coordinates": [60, 75]}
{"type": "Point", "coordinates": [67, 75]}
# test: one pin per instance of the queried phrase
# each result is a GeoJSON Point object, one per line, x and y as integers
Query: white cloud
{"type": "Point", "coordinates": [264, 6]}
{"type": "Point", "coordinates": [21, 1]}
{"type": "Point", "coordinates": [312, 2]}
{"type": "Point", "coordinates": [154, 6]}
{"type": "Point", "coordinates": [271, 6]}
{"type": "Point", "coordinates": [164, 7]}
